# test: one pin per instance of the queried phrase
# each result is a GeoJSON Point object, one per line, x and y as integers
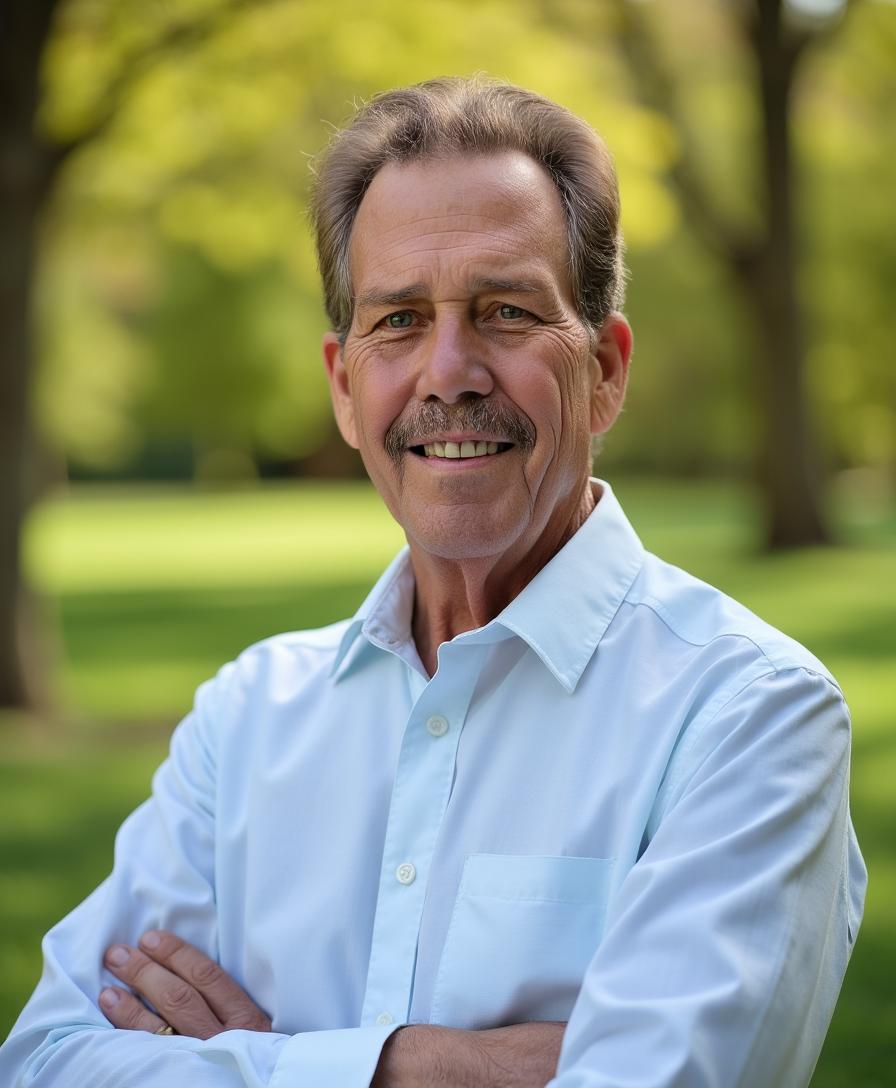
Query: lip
{"type": "Point", "coordinates": [457, 464]}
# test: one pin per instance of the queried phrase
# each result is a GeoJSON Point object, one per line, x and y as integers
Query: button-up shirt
{"type": "Point", "coordinates": [623, 803]}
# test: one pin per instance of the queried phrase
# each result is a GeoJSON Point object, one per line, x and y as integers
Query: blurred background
{"type": "Point", "coordinates": [172, 486]}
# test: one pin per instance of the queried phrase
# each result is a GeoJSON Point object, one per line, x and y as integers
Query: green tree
{"type": "Point", "coordinates": [762, 257]}
{"type": "Point", "coordinates": [31, 158]}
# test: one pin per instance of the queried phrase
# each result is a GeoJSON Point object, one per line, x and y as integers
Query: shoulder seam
{"type": "Point", "coordinates": [776, 665]}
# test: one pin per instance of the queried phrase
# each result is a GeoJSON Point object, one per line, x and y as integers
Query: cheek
{"type": "Point", "coordinates": [555, 396]}
{"type": "Point", "coordinates": [378, 398]}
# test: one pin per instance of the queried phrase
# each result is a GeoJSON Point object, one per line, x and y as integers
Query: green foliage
{"type": "Point", "coordinates": [179, 299]}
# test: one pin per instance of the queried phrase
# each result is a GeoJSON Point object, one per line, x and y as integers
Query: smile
{"type": "Point", "coordinates": [458, 450]}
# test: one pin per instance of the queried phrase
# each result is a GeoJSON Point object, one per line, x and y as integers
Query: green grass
{"type": "Point", "coordinates": [152, 590]}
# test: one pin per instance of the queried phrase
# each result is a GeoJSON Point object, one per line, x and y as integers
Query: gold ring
{"type": "Point", "coordinates": [165, 1029]}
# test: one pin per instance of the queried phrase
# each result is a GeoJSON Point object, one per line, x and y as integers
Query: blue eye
{"type": "Point", "coordinates": [511, 313]}
{"type": "Point", "coordinates": [401, 320]}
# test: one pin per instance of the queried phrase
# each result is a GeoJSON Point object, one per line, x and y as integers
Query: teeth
{"type": "Point", "coordinates": [456, 450]}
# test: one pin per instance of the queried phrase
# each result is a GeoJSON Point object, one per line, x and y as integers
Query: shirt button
{"type": "Point", "coordinates": [385, 1018]}
{"type": "Point", "coordinates": [406, 873]}
{"type": "Point", "coordinates": [437, 725]}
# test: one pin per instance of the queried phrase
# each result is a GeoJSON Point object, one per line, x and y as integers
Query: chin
{"type": "Point", "coordinates": [459, 536]}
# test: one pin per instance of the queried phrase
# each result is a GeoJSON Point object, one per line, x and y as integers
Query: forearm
{"type": "Point", "coordinates": [426, 1056]}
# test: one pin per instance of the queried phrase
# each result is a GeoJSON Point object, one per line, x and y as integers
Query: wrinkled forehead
{"type": "Point", "coordinates": [501, 207]}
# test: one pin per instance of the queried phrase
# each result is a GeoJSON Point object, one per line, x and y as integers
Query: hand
{"type": "Point", "coordinates": [518, 1056]}
{"type": "Point", "coordinates": [191, 992]}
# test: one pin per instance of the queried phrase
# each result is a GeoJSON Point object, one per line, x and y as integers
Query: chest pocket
{"type": "Point", "coordinates": [522, 933]}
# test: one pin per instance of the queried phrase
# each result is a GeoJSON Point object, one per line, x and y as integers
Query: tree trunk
{"type": "Point", "coordinates": [24, 177]}
{"type": "Point", "coordinates": [789, 460]}
{"type": "Point", "coordinates": [765, 269]}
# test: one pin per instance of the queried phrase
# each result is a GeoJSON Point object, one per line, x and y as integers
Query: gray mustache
{"type": "Point", "coordinates": [481, 414]}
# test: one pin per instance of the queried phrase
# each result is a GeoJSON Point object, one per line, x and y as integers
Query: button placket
{"type": "Point", "coordinates": [422, 786]}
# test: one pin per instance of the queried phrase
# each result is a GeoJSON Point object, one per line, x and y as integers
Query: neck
{"type": "Point", "coordinates": [457, 595]}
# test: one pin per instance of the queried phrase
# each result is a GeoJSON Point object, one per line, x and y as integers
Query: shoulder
{"type": "Point", "coordinates": [275, 671]}
{"type": "Point", "coordinates": [747, 695]}
{"type": "Point", "coordinates": [697, 616]}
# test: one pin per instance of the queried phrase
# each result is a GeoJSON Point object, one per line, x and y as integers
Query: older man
{"type": "Point", "coordinates": [543, 788]}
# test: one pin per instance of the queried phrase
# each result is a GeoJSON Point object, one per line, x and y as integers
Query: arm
{"type": "Point", "coordinates": [519, 1056]}
{"type": "Point", "coordinates": [727, 942]}
{"type": "Point", "coordinates": [164, 878]}
{"type": "Point", "coordinates": [193, 995]}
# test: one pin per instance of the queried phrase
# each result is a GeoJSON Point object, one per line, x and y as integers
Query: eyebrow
{"type": "Point", "coordinates": [377, 298]}
{"type": "Point", "coordinates": [515, 287]}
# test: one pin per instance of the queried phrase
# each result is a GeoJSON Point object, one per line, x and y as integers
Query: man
{"type": "Point", "coordinates": [545, 807]}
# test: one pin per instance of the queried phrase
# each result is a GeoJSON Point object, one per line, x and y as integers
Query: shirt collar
{"type": "Point", "coordinates": [562, 613]}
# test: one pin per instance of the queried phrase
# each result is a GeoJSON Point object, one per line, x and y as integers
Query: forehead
{"type": "Point", "coordinates": [470, 215]}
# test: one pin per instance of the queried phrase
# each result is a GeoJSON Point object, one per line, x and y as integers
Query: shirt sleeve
{"type": "Point", "coordinates": [727, 942]}
{"type": "Point", "coordinates": [163, 877]}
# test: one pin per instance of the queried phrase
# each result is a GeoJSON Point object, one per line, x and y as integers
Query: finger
{"type": "Point", "coordinates": [226, 998]}
{"type": "Point", "coordinates": [123, 1010]}
{"type": "Point", "coordinates": [175, 1000]}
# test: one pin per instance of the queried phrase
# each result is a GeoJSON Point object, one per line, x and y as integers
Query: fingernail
{"type": "Point", "coordinates": [118, 955]}
{"type": "Point", "coordinates": [109, 998]}
{"type": "Point", "coordinates": [151, 939]}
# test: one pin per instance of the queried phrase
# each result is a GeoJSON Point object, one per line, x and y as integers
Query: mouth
{"type": "Point", "coordinates": [455, 451]}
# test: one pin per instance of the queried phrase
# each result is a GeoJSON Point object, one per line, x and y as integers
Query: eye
{"type": "Point", "coordinates": [401, 320]}
{"type": "Point", "coordinates": [511, 313]}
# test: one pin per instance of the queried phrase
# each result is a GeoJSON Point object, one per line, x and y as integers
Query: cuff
{"type": "Point", "coordinates": [337, 1058]}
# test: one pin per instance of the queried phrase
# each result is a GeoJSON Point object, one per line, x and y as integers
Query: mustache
{"type": "Point", "coordinates": [480, 414]}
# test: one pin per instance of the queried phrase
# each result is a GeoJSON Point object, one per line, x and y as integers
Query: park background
{"type": "Point", "coordinates": [171, 484]}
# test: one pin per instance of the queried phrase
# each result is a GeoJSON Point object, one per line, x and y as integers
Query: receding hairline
{"type": "Point", "coordinates": [423, 163]}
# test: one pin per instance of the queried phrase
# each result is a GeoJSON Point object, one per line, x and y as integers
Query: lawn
{"type": "Point", "coordinates": [152, 590]}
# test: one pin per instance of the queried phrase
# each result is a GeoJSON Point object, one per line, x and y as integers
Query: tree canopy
{"type": "Point", "coordinates": [179, 300]}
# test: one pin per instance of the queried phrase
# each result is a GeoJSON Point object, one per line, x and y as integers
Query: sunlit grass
{"type": "Point", "coordinates": [154, 589]}
{"type": "Point", "coordinates": [209, 539]}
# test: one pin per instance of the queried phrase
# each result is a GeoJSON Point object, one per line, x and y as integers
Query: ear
{"type": "Point", "coordinates": [611, 355]}
{"type": "Point", "coordinates": [340, 393]}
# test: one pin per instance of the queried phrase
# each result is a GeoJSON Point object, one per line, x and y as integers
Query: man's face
{"type": "Point", "coordinates": [467, 380]}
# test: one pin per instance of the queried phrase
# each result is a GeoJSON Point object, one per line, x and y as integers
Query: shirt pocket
{"type": "Point", "coordinates": [520, 939]}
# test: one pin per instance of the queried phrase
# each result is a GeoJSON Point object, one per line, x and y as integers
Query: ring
{"type": "Point", "coordinates": [165, 1029]}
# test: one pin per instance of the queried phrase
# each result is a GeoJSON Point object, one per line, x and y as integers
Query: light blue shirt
{"type": "Point", "coordinates": [622, 803]}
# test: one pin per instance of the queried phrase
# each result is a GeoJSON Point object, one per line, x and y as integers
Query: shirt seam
{"type": "Point", "coordinates": [776, 666]}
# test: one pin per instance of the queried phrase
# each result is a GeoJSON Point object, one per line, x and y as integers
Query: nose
{"type": "Point", "coordinates": [452, 363]}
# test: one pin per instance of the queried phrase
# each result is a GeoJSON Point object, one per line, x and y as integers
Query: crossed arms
{"type": "Point", "coordinates": [198, 998]}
